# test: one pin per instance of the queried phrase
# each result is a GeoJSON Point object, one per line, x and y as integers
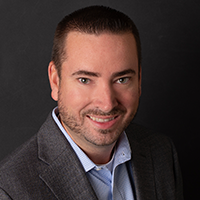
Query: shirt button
{"type": "Point", "coordinates": [98, 168]}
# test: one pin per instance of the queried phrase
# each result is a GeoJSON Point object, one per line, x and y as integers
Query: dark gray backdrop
{"type": "Point", "coordinates": [170, 44]}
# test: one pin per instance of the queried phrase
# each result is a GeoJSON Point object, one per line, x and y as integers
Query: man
{"type": "Point", "coordinates": [82, 150]}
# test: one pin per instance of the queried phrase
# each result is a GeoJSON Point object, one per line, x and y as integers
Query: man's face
{"type": "Point", "coordinates": [99, 89]}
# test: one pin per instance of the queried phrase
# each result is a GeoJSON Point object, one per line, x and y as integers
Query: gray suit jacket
{"type": "Point", "coordinates": [47, 168]}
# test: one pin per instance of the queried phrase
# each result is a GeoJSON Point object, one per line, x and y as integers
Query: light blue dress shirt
{"type": "Point", "coordinates": [110, 181]}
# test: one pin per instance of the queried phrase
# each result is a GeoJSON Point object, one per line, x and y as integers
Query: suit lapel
{"type": "Point", "coordinates": [67, 180]}
{"type": "Point", "coordinates": [143, 173]}
{"type": "Point", "coordinates": [63, 174]}
{"type": "Point", "coordinates": [142, 168]}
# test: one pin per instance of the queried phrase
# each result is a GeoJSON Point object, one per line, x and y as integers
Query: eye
{"type": "Point", "coordinates": [123, 80]}
{"type": "Point", "coordinates": [84, 80]}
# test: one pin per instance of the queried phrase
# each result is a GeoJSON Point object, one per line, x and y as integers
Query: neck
{"type": "Point", "coordinates": [100, 156]}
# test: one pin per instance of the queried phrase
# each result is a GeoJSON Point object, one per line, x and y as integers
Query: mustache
{"type": "Point", "coordinates": [114, 111]}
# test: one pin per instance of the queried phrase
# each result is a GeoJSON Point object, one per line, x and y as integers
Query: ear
{"type": "Point", "coordinates": [54, 80]}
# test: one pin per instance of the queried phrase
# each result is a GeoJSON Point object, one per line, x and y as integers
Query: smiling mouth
{"type": "Point", "coordinates": [100, 119]}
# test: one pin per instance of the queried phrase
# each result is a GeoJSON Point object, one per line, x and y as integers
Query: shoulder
{"type": "Point", "coordinates": [144, 135]}
{"type": "Point", "coordinates": [18, 160]}
{"type": "Point", "coordinates": [24, 161]}
{"type": "Point", "coordinates": [20, 172]}
{"type": "Point", "coordinates": [26, 149]}
{"type": "Point", "coordinates": [17, 171]}
{"type": "Point", "coordinates": [159, 146]}
{"type": "Point", "coordinates": [160, 155]}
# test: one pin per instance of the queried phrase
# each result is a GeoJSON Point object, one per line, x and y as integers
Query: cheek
{"type": "Point", "coordinates": [74, 99]}
{"type": "Point", "coordinates": [130, 99]}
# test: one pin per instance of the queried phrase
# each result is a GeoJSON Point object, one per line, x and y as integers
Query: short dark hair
{"type": "Point", "coordinates": [92, 20]}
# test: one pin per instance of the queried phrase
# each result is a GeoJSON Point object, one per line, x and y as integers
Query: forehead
{"type": "Point", "coordinates": [121, 40]}
{"type": "Point", "coordinates": [99, 51]}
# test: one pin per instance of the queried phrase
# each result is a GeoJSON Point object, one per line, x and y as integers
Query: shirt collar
{"type": "Point", "coordinates": [121, 154]}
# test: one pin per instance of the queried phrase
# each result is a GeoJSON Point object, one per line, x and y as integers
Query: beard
{"type": "Point", "coordinates": [77, 124]}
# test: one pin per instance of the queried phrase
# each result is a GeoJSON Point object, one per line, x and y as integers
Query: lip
{"type": "Point", "coordinates": [103, 122]}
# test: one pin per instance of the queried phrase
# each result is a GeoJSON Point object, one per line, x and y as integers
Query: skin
{"type": "Point", "coordinates": [98, 91]}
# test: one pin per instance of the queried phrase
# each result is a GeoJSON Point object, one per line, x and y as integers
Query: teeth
{"type": "Point", "coordinates": [101, 120]}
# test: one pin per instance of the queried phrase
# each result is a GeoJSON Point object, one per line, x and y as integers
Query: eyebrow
{"type": "Point", "coordinates": [96, 74]}
{"type": "Point", "coordinates": [87, 73]}
{"type": "Point", "coordinates": [124, 72]}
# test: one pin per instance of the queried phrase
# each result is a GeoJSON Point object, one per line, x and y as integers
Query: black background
{"type": "Point", "coordinates": [170, 35]}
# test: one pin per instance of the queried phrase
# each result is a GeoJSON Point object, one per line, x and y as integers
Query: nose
{"type": "Point", "coordinates": [105, 97]}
